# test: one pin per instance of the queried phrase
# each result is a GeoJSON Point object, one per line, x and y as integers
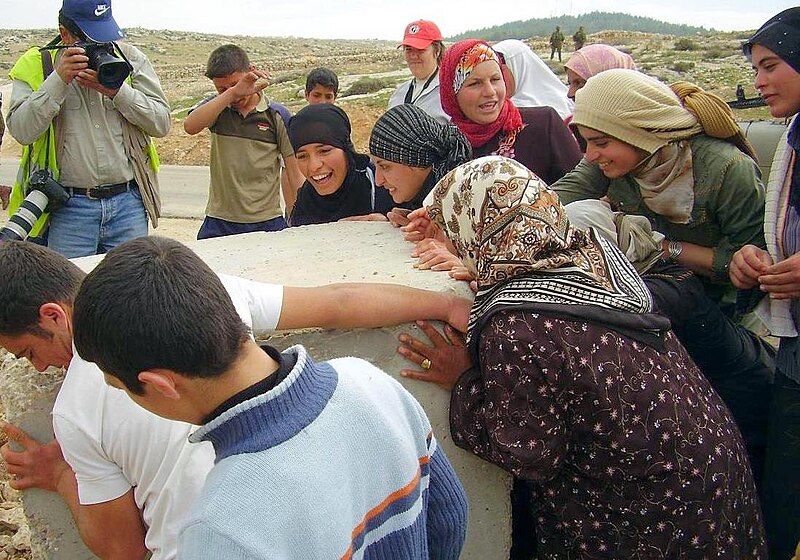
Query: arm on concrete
{"type": "Point", "coordinates": [43, 466]}
{"type": "Point", "coordinates": [98, 522]}
{"type": "Point", "coordinates": [369, 305]}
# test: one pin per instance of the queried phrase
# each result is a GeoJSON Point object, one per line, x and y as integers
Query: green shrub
{"type": "Point", "coordinates": [686, 44]}
{"type": "Point", "coordinates": [716, 52]}
{"type": "Point", "coordinates": [683, 65]}
{"type": "Point", "coordinates": [283, 77]}
{"type": "Point", "coordinates": [367, 85]}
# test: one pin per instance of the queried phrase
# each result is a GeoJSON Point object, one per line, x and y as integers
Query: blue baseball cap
{"type": "Point", "coordinates": [94, 18]}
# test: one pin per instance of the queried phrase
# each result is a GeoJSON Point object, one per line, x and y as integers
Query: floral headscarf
{"type": "Point", "coordinates": [458, 62]}
{"type": "Point", "coordinates": [508, 227]}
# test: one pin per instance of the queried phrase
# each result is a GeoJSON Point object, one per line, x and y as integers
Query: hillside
{"type": "Point", "coordinates": [592, 22]}
{"type": "Point", "coordinates": [712, 60]}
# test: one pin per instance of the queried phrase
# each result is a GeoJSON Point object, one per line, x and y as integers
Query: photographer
{"type": "Point", "coordinates": [93, 139]}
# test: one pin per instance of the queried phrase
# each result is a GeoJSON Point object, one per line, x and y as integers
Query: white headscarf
{"type": "Point", "coordinates": [536, 85]}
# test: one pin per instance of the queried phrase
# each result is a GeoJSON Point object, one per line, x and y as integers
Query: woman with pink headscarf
{"type": "Point", "coordinates": [591, 60]}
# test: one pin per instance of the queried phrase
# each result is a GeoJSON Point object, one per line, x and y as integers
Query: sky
{"type": "Point", "coordinates": [382, 19]}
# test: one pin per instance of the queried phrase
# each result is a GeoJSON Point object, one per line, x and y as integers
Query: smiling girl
{"type": "Point", "coordinates": [340, 182]}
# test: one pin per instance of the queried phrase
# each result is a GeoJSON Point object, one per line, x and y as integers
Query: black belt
{"type": "Point", "coordinates": [103, 191]}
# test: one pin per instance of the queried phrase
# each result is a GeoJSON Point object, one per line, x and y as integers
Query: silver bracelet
{"type": "Point", "coordinates": [674, 250]}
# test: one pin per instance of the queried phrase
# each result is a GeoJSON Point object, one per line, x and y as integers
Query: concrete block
{"type": "Point", "coordinates": [316, 255]}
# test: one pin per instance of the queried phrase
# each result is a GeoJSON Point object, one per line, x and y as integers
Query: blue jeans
{"type": "Point", "coordinates": [84, 226]}
{"type": "Point", "coordinates": [216, 227]}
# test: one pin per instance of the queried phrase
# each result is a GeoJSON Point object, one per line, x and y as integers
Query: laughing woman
{"type": "Point", "coordinates": [340, 182]}
{"type": "Point", "coordinates": [473, 93]}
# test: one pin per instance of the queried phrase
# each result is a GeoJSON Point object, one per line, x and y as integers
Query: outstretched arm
{"type": "Point", "coordinates": [43, 466]}
{"type": "Point", "coordinates": [347, 306]}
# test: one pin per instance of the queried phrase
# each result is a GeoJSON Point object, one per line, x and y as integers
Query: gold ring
{"type": "Point", "coordinates": [425, 364]}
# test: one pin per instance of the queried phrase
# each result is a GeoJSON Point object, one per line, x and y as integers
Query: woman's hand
{"type": "Point", "coordinates": [419, 226]}
{"type": "Point", "coordinates": [782, 280]}
{"type": "Point", "coordinates": [398, 217]}
{"type": "Point", "coordinates": [434, 255]}
{"type": "Point", "coordinates": [443, 363]}
{"type": "Point", "coordinates": [747, 264]}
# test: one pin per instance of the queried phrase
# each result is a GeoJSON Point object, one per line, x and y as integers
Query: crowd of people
{"type": "Point", "coordinates": [615, 231]}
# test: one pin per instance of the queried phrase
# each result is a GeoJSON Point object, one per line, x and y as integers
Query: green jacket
{"type": "Point", "coordinates": [728, 207]}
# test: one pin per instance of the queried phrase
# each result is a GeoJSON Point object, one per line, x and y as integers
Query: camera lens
{"type": "Point", "coordinates": [20, 224]}
{"type": "Point", "coordinates": [111, 71]}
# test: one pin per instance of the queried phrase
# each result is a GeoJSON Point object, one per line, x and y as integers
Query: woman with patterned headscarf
{"type": "Point", "coordinates": [580, 389]}
{"type": "Point", "coordinates": [340, 182]}
{"type": "Point", "coordinates": [774, 52]}
{"type": "Point", "coordinates": [473, 93]}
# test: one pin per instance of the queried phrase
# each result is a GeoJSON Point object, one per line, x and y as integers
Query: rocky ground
{"type": "Point", "coordinates": [15, 536]}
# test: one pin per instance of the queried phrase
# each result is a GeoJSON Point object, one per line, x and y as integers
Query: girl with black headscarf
{"type": "Point", "coordinates": [340, 182]}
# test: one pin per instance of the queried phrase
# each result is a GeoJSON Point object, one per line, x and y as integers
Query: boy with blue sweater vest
{"type": "Point", "coordinates": [314, 460]}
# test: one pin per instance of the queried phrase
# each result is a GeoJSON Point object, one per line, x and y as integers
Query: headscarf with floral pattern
{"type": "Point", "coordinates": [458, 63]}
{"type": "Point", "coordinates": [513, 234]}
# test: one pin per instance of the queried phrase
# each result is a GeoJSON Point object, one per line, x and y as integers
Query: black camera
{"type": "Point", "coordinates": [111, 70]}
{"type": "Point", "coordinates": [44, 193]}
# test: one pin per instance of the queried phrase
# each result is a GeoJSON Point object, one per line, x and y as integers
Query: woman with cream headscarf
{"type": "Point", "coordinates": [682, 163]}
{"type": "Point", "coordinates": [677, 157]}
{"type": "Point", "coordinates": [579, 389]}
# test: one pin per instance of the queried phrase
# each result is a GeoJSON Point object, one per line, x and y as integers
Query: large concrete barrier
{"type": "Point", "coordinates": [307, 256]}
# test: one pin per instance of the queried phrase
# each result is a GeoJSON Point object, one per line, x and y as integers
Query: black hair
{"type": "Point", "coordinates": [324, 77]}
{"type": "Point", "coordinates": [152, 303]}
{"type": "Point", "coordinates": [225, 60]}
{"type": "Point", "coordinates": [33, 275]}
{"type": "Point", "coordinates": [71, 26]}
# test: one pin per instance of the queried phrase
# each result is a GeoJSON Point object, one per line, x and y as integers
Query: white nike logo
{"type": "Point", "coordinates": [101, 9]}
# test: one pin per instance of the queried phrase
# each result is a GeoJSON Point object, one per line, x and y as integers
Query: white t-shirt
{"type": "Point", "coordinates": [112, 444]}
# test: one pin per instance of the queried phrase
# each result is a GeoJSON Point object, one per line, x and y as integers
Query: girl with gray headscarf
{"type": "Point", "coordinates": [412, 151]}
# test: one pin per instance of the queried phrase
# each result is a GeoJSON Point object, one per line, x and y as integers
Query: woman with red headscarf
{"type": "Point", "coordinates": [473, 93]}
